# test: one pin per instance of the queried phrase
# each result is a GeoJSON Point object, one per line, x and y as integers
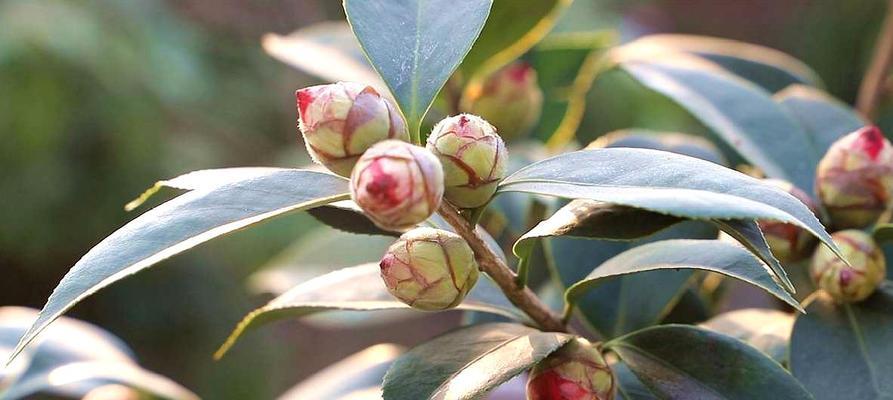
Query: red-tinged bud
{"type": "Point", "coordinates": [397, 184]}
{"type": "Point", "coordinates": [429, 269]}
{"type": "Point", "coordinates": [473, 158]}
{"type": "Point", "coordinates": [847, 284]}
{"type": "Point", "coordinates": [341, 120]}
{"type": "Point", "coordinates": [510, 99]}
{"type": "Point", "coordinates": [576, 371]}
{"type": "Point", "coordinates": [855, 178]}
{"type": "Point", "coordinates": [789, 243]}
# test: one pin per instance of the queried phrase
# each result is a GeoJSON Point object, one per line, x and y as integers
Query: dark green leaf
{"type": "Point", "coordinates": [844, 351]}
{"type": "Point", "coordinates": [358, 289]}
{"type": "Point", "coordinates": [679, 143]}
{"type": "Point", "coordinates": [629, 387]}
{"type": "Point", "coordinates": [709, 255]}
{"type": "Point", "coordinates": [748, 233]}
{"type": "Point", "coordinates": [469, 362]}
{"type": "Point", "coordinates": [883, 232]}
{"type": "Point", "coordinates": [685, 362]}
{"type": "Point", "coordinates": [358, 373]}
{"type": "Point", "coordinates": [617, 307]}
{"type": "Point", "coordinates": [824, 118]}
{"type": "Point", "coordinates": [767, 330]}
{"type": "Point", "coordinates": [663, 182]}
{"type": "Point", "coordinates": [416, 45]}
{"type": "Point", "coordinates": [185, 222]}
{"type": "Point", "coordinates": [769, 68]}
{"type": "Point", "coordinates": [346, 216]}
{"type": "Point", "coordinates": [513, 27]}
{"type": "Point", "coordinates": [741, 114]}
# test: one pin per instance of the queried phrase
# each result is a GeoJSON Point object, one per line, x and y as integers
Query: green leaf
{"type": "Point", "coordinates": [769, 68]}
{"type": "Point", "coordinates": [203, 179]}
{"type": "Point", "coordinates": [844, 351]}
{"type": "Point", "coordinates": [479, 358]}
{"type": "Point", "coordinates": [708, 255]}
{"type": "Point", "coordinates": [358, 288]}
{"type": "Point", "coordinates": [617, 307]}
{"type": "Point", "coordinates": [767, 330]}
{"type": "Point", "coordinates": [741, 114]}
{"type": "Point", "coordinates": [512, 28]}
{"type": "Point", "coordinates": [824, 118]}
{"type": "Point", "coordinates": [685, 362]}
{"type": "Point", "coordinates": [416, 45]}
{"type": "Point", "coordinates": [679, 143]}
{"type": "Point", "coordinates": [72, 358]}
{"type": "Point", "coordinates": [347, 216]}
{"type": "Point", "coordinates": [328, 50]}
{"type": "Point", "coordinates": [357, 373]}
{"type": "Point", "coordinates": [663, 182]}
{"type": "Point", "coordinates": [750, 236]}
{"type": "Point", "coordinates": [183, 223]}
{"type": "Point", "coordinates": [629, 387]}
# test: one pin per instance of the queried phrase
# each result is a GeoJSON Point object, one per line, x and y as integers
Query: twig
{"type": "Point", "coordinates": [522, 297]}
{"type": "Point", "coordinates": [872, 88]}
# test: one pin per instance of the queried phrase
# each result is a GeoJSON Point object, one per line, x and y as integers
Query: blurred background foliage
{"type": "Point", "coordinates": [100, 98]}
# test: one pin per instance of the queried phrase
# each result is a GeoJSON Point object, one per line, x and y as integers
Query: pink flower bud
{"type": "Point", "coordinates": [789, 243]}
{"type": "Point", "coordinates": [341, 120]}
{"type": "Point", "coordinates": [429, 269]}
{"type": "Point", "coordinates": [576, 371]}
{"type": "Point", "coordinates": [510, 99]}
{"type": "Point", "coordinates": [855, 178]}
{"type": "Point", "coordinates": [848, 284]}
{"type": "Point", "coordinates": [473, 158]}
{"type": "Point", "coordinates": [397, 184]}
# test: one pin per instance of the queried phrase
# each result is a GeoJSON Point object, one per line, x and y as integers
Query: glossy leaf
{"type": "Point", "coordinates": [480, 358]}
{"type": "Point", "coordinates": [358, 288]}
{"type": "Point", "coordinates": [824, 118]}
{"type": "Point", "coordinates": [708, 255]}
{"type": "Point", "coordinates": [741, 114]}
{"type": "Point", "coordinates": [185, 222]}
{"type": "Point", "coordinates": [844, 351]}
{"type": "Point", "coordinates": [358, 373]}
{"type": "Point", "coordinates": [629, 387]}
{"type": "Point", "coordinates": [767, 330]}
{"type": "Point", "coordinates": [617, 307]}
{"type": "Point", "coordinates": [679, 143]}
{"type": "Point", "coordinates": [74, 357]}
{"type": "Point", "coordinates": [327, 50]}
{"type": "Point", "coordinates": [769, 68]}
{"type": "Point", "coordinates": [512, 28]}
{"type": "Point", "coordinates": [663, 182]}
{"type": "Point", "coordinates": [748, 233]}
{"type": "Point", "coordinates": [416, 45]}
{"type": "Point", "coordinates": [685, 362]}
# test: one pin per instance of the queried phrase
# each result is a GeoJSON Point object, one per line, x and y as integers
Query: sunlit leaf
{"type": "Point", "coordinates": [480, 357]}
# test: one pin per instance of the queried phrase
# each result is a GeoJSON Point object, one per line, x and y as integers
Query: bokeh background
{"type": "Point", "coordinates": [101, 98]}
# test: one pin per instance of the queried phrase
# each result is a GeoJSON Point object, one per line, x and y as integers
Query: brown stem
{"type": "Point", "coordinates": [872, 88]}
{"type": "Point", "coordinates": [522, 297]}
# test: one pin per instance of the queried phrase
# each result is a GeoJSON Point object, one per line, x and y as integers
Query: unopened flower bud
{"type": "Point", "coordinates": [397, 184]}
{"type": "Point", "coordinates": [855, 178]}
{"type": "Point", "coordinates": [789, 243]}
{"type": "Point", "coordinates": [510, 99]}
{"type": "Point", "coordinates": [341, 120]}
{"type": "Point", "coordinates": [576, 371]}
{"type": "Point", "coordinates": [429, 269]}
{"type": "Point", "coordinates": [473, 158]}
{"type": "Point", "coordinates": [848, 284]}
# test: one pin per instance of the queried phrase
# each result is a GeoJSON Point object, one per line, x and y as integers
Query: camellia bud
{"type": "Point", "coordinates": [397, 184]}
{"type": "Point", "coordinates": [510, 99]}
{"type": "Point", "coordinates": [789, 243]}
{"type": "Point", "coordinates": [473, 158]}
{"type": "Point", "coordinates": [848, 284]}
{"type": "Point", "coordinates": [429, 269]}
{"type": "Point", "coordinates": [340, 121]}
{"type": "Point", "coordinates": [576, 371]}
{"type": "Point", "coordinates": [855, 178]}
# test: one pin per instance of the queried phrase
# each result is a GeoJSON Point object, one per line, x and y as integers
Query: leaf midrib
{"type": "Point", "coordinates": [863, 348]}
{"type": "Point", "coordinates": [660, 361]}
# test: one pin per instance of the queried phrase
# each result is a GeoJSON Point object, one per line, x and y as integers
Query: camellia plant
{"type": "Point", "coordinates": [453, 150]}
